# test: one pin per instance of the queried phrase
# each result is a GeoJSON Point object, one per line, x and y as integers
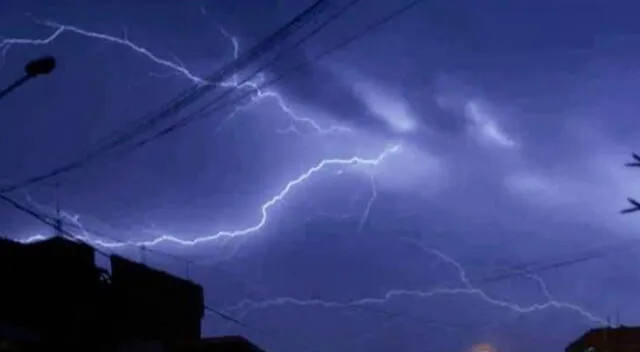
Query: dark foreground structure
{"type": "Point", "coordinates": [610, 339]}
{"type": "Point", "coordinates": [55, 297]}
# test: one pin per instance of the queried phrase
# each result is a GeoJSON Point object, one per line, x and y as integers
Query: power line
{"type": "Point", "coordinates": [58, 223]}
{"type": "Point", "coordinates": [513, 272]}
{"type": "Point", "coordinates": [238, 64]}
{"type": "Point", "coordinates": [394, 314]}
{"type": "Point", "coordinates": [47, 220]}
{"type": "Point", "coordinates": [43, 218]}
{"type": "Point", "coordinates": [379, 23]}
{"type": "Point", "coordinates": [246, 80]}
{"type": "Point", "coordinates": [180, 102]}
{"type": "Point", "coordinates": [234, 66]}
{"type": "Point", "coordinates": [519, 270]}
{"type": "Point", "coordinates": [209, 108]}
{"type": "Point", "coordinates": [102, 236]}
{"type": "Point", "coordinates": [225, 316]}
{"type": "Point", "coordinates": [385, 312]}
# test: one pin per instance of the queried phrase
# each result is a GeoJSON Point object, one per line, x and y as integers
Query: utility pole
{"type": "Point", "coordinates": [38, 67]}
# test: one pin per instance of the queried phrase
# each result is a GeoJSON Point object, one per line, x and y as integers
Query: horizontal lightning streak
{"type": "Point", "coordinates": [264, 216]}
{"type": "Point", "coordinates": [468, 289]}
{"type": "Point", "coordinates": [258, 95]}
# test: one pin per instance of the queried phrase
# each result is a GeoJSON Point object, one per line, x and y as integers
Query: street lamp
{"type": "Point", "coordinates": [34, 68]}
{"type": "Point", "coordinates": [41, 66]}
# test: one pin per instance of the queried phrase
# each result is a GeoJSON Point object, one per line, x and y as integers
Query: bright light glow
{"type": "Point", "coordinates": [483, 347]}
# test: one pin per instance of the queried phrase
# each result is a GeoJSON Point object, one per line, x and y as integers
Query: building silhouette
{"type": "Point", "coordinates": [609, 339]}
{"type": "Point", "coordinates": [55, 297]}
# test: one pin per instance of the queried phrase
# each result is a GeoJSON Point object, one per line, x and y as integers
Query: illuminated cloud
{"type": "Point", "coordinates": [382, 101]}
{"type": "Point", "coordinates": [387, 106]}
{"type": "Point", "coordinates": [485, 127]}
{"type": "Point", "coordinates": [467, 113]}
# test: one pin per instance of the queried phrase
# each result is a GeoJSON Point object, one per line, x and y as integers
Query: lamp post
{"type": "Point", "coordinates": [38, 67]}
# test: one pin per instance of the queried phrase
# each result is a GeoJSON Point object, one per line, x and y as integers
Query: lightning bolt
{"type": "Point", "coordinates": [72, 219]}
{"type": "Point", "coordinates": [179, 68]}
{"type": "Point", "coordinates": [349, 214]}
{"type": "Point", "coordinates": [467, 289]}
{"type": "Point", "coordinates": [551, 302]}
{"type": "Point", "coordinates": [264, 210]}
{"type": "Point", "coordinates": [367, 210]}
{"type": "Point", "coordinates": [258, 95]}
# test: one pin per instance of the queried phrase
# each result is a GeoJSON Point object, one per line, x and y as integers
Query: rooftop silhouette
{"type": "Point", "coordinates": [611, 339]}
{"type": "Point", "coordinates": [56, 297]}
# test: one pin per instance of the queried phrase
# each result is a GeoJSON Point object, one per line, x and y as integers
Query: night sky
{"type": "Point", "coordinates": [365, 202]}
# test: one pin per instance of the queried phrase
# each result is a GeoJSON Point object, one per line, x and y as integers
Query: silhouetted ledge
{"type": "Point", "coordinates": [56, 298]}
{"type": "Point", "coordinates": [610, 339]}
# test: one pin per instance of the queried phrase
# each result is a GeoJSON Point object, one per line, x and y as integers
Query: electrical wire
{"type": "Point", "coordinates": [238, 64]}
{"type": "Point", "coordinates": [256, 73]}
{"type": "Point", "coordinates": [225, 316]}
{"type": "Point", "coordinates": [175, 105]}
{"type": "Point", "coordinates": [47, 220]}
{"type": "Point", "coordinates": [208, 109]}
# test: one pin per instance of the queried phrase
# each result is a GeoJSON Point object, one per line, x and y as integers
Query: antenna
{"type": "Point", "coordinates": [606, 331]}
{"type": "Point", "coordinates": [143, 250]}
{"type": "Point", "coordinates": [58, 224]}
{"type": "Point", "coordinates": [189, 268]}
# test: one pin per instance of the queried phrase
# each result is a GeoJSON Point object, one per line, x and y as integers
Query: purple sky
{"type": "Point", "coordinates": [363, 202]}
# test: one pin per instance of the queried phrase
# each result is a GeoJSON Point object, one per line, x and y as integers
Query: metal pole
{"type": "Point", "coordinates": [15, 86]}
